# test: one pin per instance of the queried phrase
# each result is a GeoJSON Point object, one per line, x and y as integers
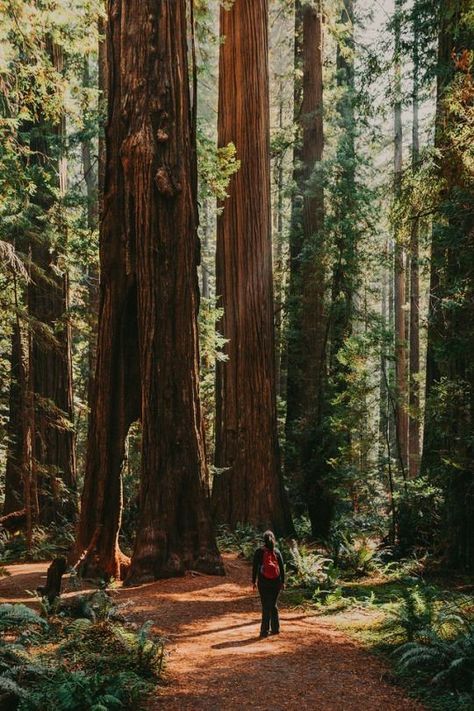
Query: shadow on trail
{"type": "Point", "coordinates": [286, 673]}
{"type": "Point", "coordinates": [236, 643]}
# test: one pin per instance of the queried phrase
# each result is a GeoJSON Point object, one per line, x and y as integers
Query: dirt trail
{"type": "Point", "coordinates": [218, 663]}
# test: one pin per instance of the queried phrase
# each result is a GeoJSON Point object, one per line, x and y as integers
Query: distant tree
{"type": "Point", "coordinates": [307, 320]}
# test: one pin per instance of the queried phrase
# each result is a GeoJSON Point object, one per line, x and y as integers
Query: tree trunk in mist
{"type": "Point", "coordinates": [414, 384]}
{"type": "Point", "coordinates": [307, 330]}
{"type": "Point", "coordinates": [251, 489]}
{"type": "Point", "coordinates": [147, 356]}
{"type": "Point", "coordinates": [399, 276]}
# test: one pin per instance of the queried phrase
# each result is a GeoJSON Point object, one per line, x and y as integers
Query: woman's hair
{"type": "Point", "coordinates": [269, 540]}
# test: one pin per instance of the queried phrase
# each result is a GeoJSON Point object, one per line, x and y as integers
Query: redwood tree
{"type": "Point", "coordinates": [448, 451]}
{"type": "Point", "coordinates": [414, 369]}
{"type": "Point", "coordinates": [249, 489]}
{"type": "Point", "coordinates": [147, 354]}
{"type": "Point", "coordinates": [399, 265]}
{"type": "Point", "coordinates": [47, 299]}
{"type": "Point", "coordinates": [307, 329]}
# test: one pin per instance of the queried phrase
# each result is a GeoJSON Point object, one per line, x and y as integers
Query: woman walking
{"type": "Point", "coordinates": [269, 571]}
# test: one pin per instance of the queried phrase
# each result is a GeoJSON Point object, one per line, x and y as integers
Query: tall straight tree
{"type": "Point", "coordinates": [47, 295]}
{"type": "Point", "coordinates": [399, 263]}
{"type": "Point", "coordinates": [414, 369]}
{"type": "Point", "coordinates": [307, 322]}
{"type": "Point", "coordinates": [250, 488]}
{"type": "Point", "coordinates": [448, 451]}
{"type": "Point", "coordinates": [147, 355]}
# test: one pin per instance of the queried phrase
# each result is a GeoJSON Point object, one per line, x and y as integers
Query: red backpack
{"type": "Point", "coordinates": [270, 568]}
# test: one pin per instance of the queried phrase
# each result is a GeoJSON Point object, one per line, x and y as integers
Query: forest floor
{"type": "Point", "coordinates": [216, 660]}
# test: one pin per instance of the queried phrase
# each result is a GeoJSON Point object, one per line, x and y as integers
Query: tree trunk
{"type": "Point", "coordinates": [147, 356]}
{"type": "Point", "coordinates": [250, 490]}
{"type": "Point", "coordinates": [399, 288]}
{"type": "Point", "coordinates": [414, 384]}
{"type": "Point", "coordinates": [307, 332]}
{"type": "Point", "coordinates": [14, 465]}
{"type": "Point", "coordinates": [448, 452]}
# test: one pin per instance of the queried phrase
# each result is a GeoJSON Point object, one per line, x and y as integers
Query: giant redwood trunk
{"type": "Point", "coordinates": [147, 355]}
{"type": "Point", "coordinates": [250, 489]}
{"type": "Point", "coordinates": [307, 334]}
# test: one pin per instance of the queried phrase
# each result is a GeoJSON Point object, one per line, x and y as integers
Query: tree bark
{"type": "Point", "coordinates": [48, 306]}
{"type": "Point", "coordinates": [307, 333]}
{"type": "Point", "coordinates": [399, 262]}
{"type": "Point", "coordinates": [250, 490]}
{"type": "Point", "coordinates": [147, 356]}
{"type": "Point", "coordinates": [414, 382]}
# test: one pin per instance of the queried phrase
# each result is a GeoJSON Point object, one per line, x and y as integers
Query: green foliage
{"type": "Point", "coordinates": [244, 539]}
{"type": "Point", "coordinates": [216, 166]}
{"type": "Point", "coordinates": [416, 610]}
{"type": "Point", "coordinates": [355, 557]}
{"type": "Point", "coordinates": [310, 570]}
{"type": "Point", "coordinates": [79, 664]}
{"type": "Point", "coordinates": [443, 651]}
{"type": "Point", "coordinates": [17, 616]}
{"type": "Point", "coordinates": [47, 543]}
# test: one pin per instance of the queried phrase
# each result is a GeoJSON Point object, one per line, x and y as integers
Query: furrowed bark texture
{"type": "Point", "coordinates": [307, 336]}
{"type": "Point", "coordinates": [250, 490]}
{"type": "Point", "coordinates": [147, 356]}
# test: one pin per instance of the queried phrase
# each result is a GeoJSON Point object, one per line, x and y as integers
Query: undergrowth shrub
{"type": "Point", "coordinates": [311, 570]}
{"type": "Point", "coordinates": [64, 664]}
{"type": "Point", "coordinates": [415, 612]}
{"type": "Point", "coordinates": [354, 557]}
{"type": "Point", "coordinates": [442, 650]}
{"type": "Point", "coordinates": [47, 543]}
{"type": "Point", "coordinates": [244, 539]}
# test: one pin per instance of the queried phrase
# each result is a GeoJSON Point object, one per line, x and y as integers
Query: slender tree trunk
{"type": "Point", "coordinates": [147, 356]}
{"type": "Point", "coordinates": [399, 289]}
{"type": "Point", "coordinates": [448, 452]}
{"type": "Point", "coordinates": [51, 366]}
{"type": "Point", "coordinates": [251, 489]}
{"type": "Point", "coordinates": [279, 269]}
{"type": "Point", "coordinates": [14, 499]}
{"type": "Point", "coordinates": [307, 331]}
{"type": "Point", "coordinates": [91, 180]}
{"type": "Point", "coordinates": [414, 384]}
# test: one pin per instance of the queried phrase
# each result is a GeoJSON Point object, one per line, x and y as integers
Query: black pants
{"type": "Point", "coordinates": [269, 591]}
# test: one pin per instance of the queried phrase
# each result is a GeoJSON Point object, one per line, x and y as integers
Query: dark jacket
{"type": "Point", "coordinates": [258, 562]}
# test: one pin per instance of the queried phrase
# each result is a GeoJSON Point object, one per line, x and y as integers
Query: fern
{"type": "Point", "coordinates": [444, 651]}
{"type": "Point", "coordinates": [11, 687]}
{"type": "Point", "coordinates": [19, 615]}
